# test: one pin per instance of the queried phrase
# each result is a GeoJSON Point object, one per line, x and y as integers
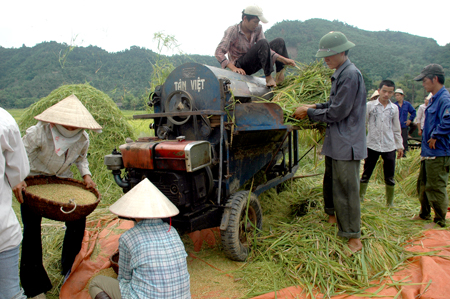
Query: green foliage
{"type": "Point", "coordinates": [379, 55]}
{"type": "Point", "coordinates": [30, 73]}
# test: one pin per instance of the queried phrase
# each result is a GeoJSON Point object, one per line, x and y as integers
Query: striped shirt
{"type": "Point", "coordinates": [152, 262]}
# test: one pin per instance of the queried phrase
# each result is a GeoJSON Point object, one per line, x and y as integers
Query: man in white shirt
{"type": "Point", "coordinates": [14, 168]}
{"type": "Point", "coordinates": [420, 118]}
{"type": "Point", "coordinates": [383, 139]}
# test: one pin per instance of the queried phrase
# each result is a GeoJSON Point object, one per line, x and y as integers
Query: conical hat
{"type": "Point", "coordinates": [69, 112]}
{"type": "Point", "coordinates": [375, 94]}
{"type": "Point", "coordinates": [144, 201]}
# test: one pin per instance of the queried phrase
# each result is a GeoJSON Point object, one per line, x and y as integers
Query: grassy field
{"type": "Point", "coordinates": [296, 246]}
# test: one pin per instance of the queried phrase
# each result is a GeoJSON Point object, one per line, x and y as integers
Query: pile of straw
{"type": "Point", "coordinates": [306, 250]}
{"type": "Point", "coordinates": [306, 84]}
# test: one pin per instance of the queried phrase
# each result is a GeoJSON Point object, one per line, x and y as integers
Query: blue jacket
{"type": "Point", "coordinates": [437, 125]}
{"type": "Point", "coordinates": [403, 113]}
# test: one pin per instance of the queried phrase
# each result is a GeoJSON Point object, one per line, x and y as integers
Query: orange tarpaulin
{"type": "Point", "coordinates": [426, 277]}
{"type": "Point", "coordinates": [98, 246]}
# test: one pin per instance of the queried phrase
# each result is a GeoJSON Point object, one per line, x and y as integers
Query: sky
{"type": "Point", "coordinates": [198, 25]}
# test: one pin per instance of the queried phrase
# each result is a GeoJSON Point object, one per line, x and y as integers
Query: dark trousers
{"type": "Point", "coordinates": [388, 166]}
{"type": "Point", "coordinates": [405, 139]}
{"type": "Point", "coordinates": [432, 188]}
{"type": "Point", "coordinates": [33, 276]}
{"type": "Point", "coordinates": [341, 195]}
{"type": "Point", "coordinates": [259, 57]}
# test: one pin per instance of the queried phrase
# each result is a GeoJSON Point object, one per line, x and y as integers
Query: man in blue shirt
{"type": "Point", "coordinates": [404, 108]}
{"type": "Point", "coordinates": [435, 155]}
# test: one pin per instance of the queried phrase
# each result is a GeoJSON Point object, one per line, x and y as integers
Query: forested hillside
{"type": "Point", "coordinates": [30, 73]}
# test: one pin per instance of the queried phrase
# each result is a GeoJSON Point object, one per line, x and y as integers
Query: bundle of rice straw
{"type": "Point", "coordinates": [306, 84]}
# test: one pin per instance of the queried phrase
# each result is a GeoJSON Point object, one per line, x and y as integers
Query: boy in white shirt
{"type": "Point", "coordinates": [383, 139]}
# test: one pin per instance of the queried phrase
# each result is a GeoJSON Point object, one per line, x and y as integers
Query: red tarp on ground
{"type": "Point", "coordinates": [429, 274]}
{"type": "Point", "coordinates": [97, 247]}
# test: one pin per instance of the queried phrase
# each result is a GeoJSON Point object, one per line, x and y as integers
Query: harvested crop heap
{"type": "Point", "coordinates": [306, 250]}
{"type": "Point", "coordinates": [307, 84]}
{"type": "Point", "coordinates": [63, 193]}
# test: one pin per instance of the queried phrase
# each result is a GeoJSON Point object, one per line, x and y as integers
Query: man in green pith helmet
{"type": "Point", "coordinates": [345, 137]}
{"type": "Point", "coordinates": [384, 138]}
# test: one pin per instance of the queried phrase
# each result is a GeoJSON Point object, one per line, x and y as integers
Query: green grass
{"type": "Point", "coordinates": [16, 113]}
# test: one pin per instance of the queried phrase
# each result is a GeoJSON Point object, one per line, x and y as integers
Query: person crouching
{"type": "Point", "coordinates": [152, 257]}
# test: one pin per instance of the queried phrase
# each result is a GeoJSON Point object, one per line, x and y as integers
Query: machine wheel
{"type": "Point", "coordinates": [237, 235]}
{"type": "Point", "coordinates": [179, 101]}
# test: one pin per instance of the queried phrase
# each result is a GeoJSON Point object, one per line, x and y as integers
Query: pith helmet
{"type": "Point", "coordinates": [144, 201]}
{"type": "Point", "coordinates": [333, 43]}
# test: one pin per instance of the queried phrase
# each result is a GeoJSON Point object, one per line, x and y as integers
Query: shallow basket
{"type": "Point", "coordinates": [114, 259]}
{"type": "Point", "coordinates": [56, 210]}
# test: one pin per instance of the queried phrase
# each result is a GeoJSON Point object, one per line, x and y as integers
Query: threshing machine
{"type": "Point", "coordinates": [213, 133]}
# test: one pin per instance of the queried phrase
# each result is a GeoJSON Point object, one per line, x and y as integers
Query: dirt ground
{"type": "Point", "coordinates": [212, 273]}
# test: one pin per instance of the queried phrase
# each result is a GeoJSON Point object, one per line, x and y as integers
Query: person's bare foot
{"type": "Point", "coordinates": [270, 82]}
{"type": "Point", "coordinates": [332, 219]}
{"type": "Point", "coordinates": [355, 245]}
{"type": "Point", "coordinates": [279, 77]}
{"type": "Point", "coordinates": [417, 218]}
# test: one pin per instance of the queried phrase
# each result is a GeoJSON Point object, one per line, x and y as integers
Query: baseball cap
{"type": "Point", "coordinates": [399, 90]}
{"type": "Point", "coordinates": [431, 69]}
{"type": "Point", "coordinates": [254, 10]}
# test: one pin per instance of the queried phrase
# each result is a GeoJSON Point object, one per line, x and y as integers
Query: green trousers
{"type": "Point", "coordinates": [432, 188]}
{"type": "Point", "coordinates": [105, 284]}
{"type": "Point", "coordinates": [341, 195]}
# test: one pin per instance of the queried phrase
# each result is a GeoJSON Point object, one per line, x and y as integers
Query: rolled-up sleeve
{"type": "Point", "coordinates": [224, 47]}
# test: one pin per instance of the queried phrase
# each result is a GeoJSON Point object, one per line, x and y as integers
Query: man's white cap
{"type": "Point", "coordinates": [255, 11]}
{"type": "Point", "coordinates": [399, 90]}
{"type": "Point", "coordinates": [69, 112]}
{"type": "Point", "coordinates": [144, 201]}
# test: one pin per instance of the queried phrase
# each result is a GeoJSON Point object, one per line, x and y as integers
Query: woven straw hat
{"type": "Point", "coordinates": [375, 94]}
{"type": "Point", "coordinates": [144, 201]}
{"type": "Point", "coordinates": [69, 112]}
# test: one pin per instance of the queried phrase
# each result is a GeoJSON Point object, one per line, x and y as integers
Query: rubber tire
{"type": "Point", "coordinates": [233, 236]}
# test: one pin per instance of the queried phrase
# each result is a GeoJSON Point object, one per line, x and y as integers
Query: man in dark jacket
{"type": "Point", "coordinates": [435, 155]}
{"type": "Point", "coordinates": [345, 138]}
{"type": "Point", "coordinates": [404, 108]}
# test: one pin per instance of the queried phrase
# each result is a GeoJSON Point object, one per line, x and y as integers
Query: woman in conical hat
{"type": "Point", "coordinates": [152, 257]}
{"type": "Point", "coordinates": [56, 142]}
